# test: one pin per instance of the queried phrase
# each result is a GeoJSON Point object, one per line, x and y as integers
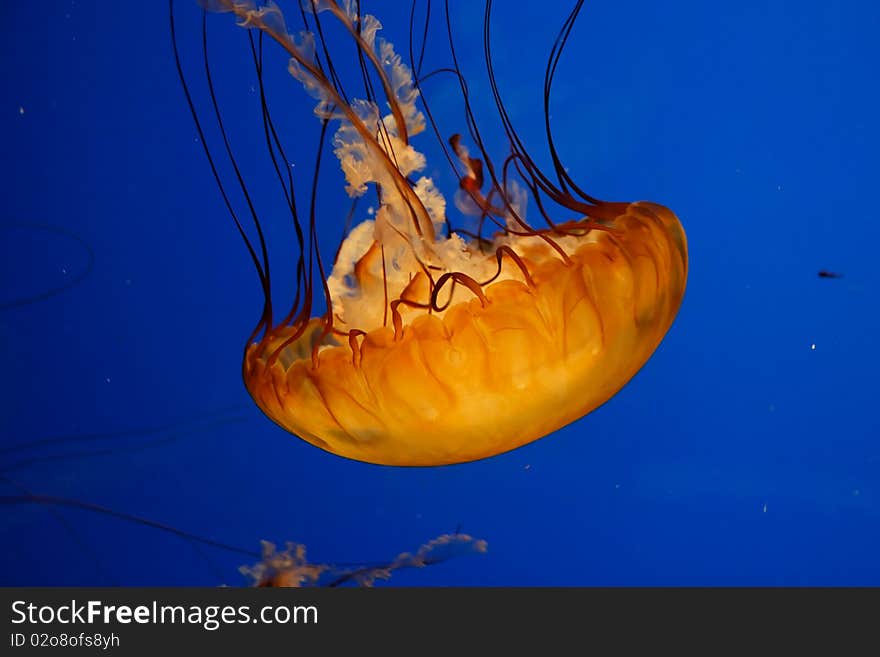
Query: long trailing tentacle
{"type": "Point", "coordinates": [265, 317]}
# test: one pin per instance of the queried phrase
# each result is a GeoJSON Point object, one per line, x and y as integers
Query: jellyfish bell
{"type": "Point", "coordinates": [441, 346]}
{"type": "Point", "coordinates": [487, 374]}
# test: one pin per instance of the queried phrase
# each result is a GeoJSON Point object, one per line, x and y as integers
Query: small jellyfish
{"type": "Point", "coordinates": [281, 569]}
{"type": "Point", "coordinates": [290, 568]}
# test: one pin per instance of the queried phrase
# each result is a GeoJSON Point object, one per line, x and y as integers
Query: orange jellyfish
{"type": "Point", "coordinates": [441, 346]}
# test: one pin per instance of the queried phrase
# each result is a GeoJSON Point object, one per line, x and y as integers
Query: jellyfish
{"type": "Point", "coordinates": [267, 567]}
{"type": "Point", "coordinates": [288, 568]}
{"type": "Point", "coordinates": [439, 345]}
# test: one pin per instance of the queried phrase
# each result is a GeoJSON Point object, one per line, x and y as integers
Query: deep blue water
{"type": "Point", "coordinates": [747, 450]}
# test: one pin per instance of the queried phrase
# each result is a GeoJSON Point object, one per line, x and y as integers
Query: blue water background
{"type": "Point", "coordinates": [746, 451]}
